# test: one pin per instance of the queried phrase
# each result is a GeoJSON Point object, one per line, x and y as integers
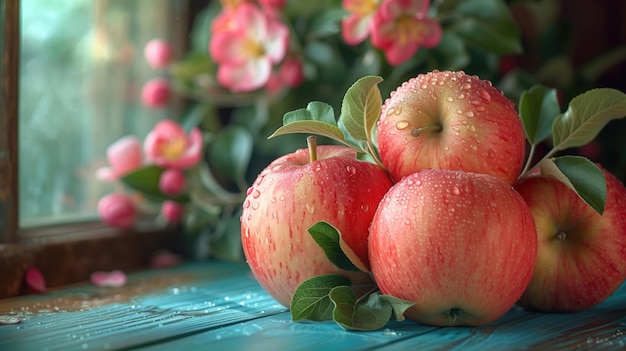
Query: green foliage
{"type": "Point", "coordinates": [538, 108]}
{"type": "Point", "coordinates": [146, 181]}
{"type": "Point", "coordinates": [329, 239]}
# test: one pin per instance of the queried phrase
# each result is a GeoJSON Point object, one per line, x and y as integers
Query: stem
{"type": "Point", "coordinates": [311, 142]}
{"type": "Point", "coordinates": [531, 153]}
{"type": "Point", "coordinates": [547, 156]}
{"type": "Point", "coordinates": [433, 127]}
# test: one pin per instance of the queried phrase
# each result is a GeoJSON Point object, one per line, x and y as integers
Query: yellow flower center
{"type": "Point", "coordinates": [409, 29]}
{"type": "Point", "coordinates": [252, 49]}
{"type": "Point", "coordinates": [173, 149]}
{"type": "Point", "coordinates": [362, 7]}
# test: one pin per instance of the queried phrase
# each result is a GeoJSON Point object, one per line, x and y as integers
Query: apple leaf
{"type": "Point", "coordinates": [585, 117]}
{"type": "Point", "coordinates": [311, 299]}
{"type": "Point", "coordinates": [352, 315]}
{"type": "Point", "coordinates": [335, 248]}
{"type": "Point", "coordinates": [580, 175]}
{"type": "Point", "coordinates": [317, 118]}
{"type": "Point", "coordinates": [398, 305]}
{"type": "Point", "coordinates": [360, 108]}
{"type": "Point", "coordinates": [538, 108]}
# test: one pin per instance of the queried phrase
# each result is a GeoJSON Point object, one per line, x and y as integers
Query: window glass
{"type": "Point", "coordinates": [81, 73]}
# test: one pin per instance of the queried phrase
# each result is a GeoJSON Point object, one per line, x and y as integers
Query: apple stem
{"type": "Point", "coordinates": [311, 142]}
{"type": "Point", "coordinates": [433, 127]}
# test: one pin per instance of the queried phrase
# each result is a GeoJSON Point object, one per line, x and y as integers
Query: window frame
{"type": "Point", "coordinates": [64, 253]}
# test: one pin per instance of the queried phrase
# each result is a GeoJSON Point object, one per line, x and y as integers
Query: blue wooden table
{"type": "Point", "coordinates": [219, 306]}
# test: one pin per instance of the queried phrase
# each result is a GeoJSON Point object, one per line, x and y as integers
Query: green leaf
{"type": "Point", "coordinates": [146, 181]}
{"type": "Point", "coordinates": [351, 315]}
{"type": "Point", "coordinates": [317, 118]}
{"type": "Point", "coordinates": [399, 306]}
{"type": "Point", "coordinates": [360, 108]}
{"type": "Point", "coordinates": [585, 117]}
{"type": "Point", "coordinates": [311, 300]}
{"type": "Point", "coordinates": [486, 24]}
{"type": "Point", "coordinates": [538, 108]}
{"type": "Point", "coordinates": [581, 175]}
{"type": "Point", "coordinates": [337, 251]}
{"type": "Point", "coordinates": [231, 150]}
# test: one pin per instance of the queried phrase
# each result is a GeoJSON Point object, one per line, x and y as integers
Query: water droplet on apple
{"type": "Point", "coordinates": [418, 182]}
{"type": "Point", "coordinates": [351, 169]}
{"type": "Point", "coordinates": [484, 95]}
{"type": "Point", "coordinates": [282, 198]}
{"type": "Point", "coordinates": [402, 125]}
{"type": "Point", "coordinates": [246, 203]}
{"type": "Point", "coordinates": [460, 112]}
{"type": "Point", "coordinates": [467, 86]}
{"type": "Point", "coordinates": [461, 96]}
{"type": "Point", "coordinates": [317, 168]}
{"type": "Point", "coordinates": [470, 114]}
{"type": "Point", "coordinates": [471, 128]}
{"type": "Point", "coordinates": [449, 99]}
{"type": "Point", "coordinates": [266, 240]}
{"type": "Point", "coordinates": [277, 168]}
{"type": "Point", "coordinates": [491, 154]}
{"type": "Point", "coordinates": [255, 205]}
{"type": "Point", "coordinates": [424, 86]}
{"type": "Point", "coordinates": [474, 147]}
{"type": "Point", "coordinates": [407, 222]}
{"type": "Point", "coordinates": [249, 191]}
{"type": "Point", "coordinates": [398, 110]}
{"type": "Point", "coordinates": [310, 208]}
{"type": "Point", "coordinates": [274, 215]}
{"type": "Point", "coordinates": [446, 148]}
{"type": "Point", "coordinates": [456, 191]}
{"type": "Point", "coordinates": [365, 207]}
{"type": "Point", "coordinates": [273, 200]}
{"type": "Point", "coordinates": [256, 193]}
{"type": "Point", "coordinates": [475, 102]}
{"type": "Point", "coordinates": [481, 108]}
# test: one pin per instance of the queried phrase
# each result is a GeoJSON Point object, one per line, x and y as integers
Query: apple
{"type": "Point", "coordinates": [450, 120]}
{"type": "Point", "coordinates": [581, 256]}
{"type": "Point", "coordinates": [296, 191]}
{"type": "Point", "coordinates": [460, 245]}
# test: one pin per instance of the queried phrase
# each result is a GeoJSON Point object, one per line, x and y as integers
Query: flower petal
{"type": "Point", "coordinates": [113, 279]}
{"type": "Point", "coordinates": [125, 155]}
{"type": "Point", "coordinates": [35, 280]}
{"type": "Point", "coordinates": [355, 29]}
{"type": "Point", "coordinates": [244, 78]}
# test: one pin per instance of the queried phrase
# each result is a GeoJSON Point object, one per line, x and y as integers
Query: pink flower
{"type": "Point", "coordinates": [172, 211]}
{"type": "Point", "coordinates": [172, 182]}
{"type": "Point", "coordinates": [289, 74]}
{"type": "Point", "coordinates": [156, 93]}
{"type": "Point", "coordinates": [400, 27]}
{"type": "Point", "coordinates": [355, 28]}
{"type": "Point", "coordinates": [168, 146]}
{"type": "Point", "coordinates": [246, 52]}
{"type": "Point", "coordinates": [124, 156]}
{"type": "Point", "coordinates": [117, 210]}
{"type": "Point", "coordinates": [113, 279]}
{"type": "Point", "coordinates": [158, 53]}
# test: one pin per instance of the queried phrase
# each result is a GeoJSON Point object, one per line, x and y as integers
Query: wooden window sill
{"type": "Point", "coordinates": [70, 258]}
{"type": "Point", "coordinates": [219, 306]}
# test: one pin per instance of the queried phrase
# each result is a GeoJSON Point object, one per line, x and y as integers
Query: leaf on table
{"type": "Point", "coordinates": [335, 248]}
{"type": "Point", "coordinates": [352, 315]}
{"type": "Point", "coordinates": [311, 300]}
{"type": "Point", "coordinates": [581, 175]}
{"type": "Point", "coordinates": [585, 117]}
{"type": "Point", "coordinates": [399, 306]}
{"type": "Point", "coordinates": [538, 108]}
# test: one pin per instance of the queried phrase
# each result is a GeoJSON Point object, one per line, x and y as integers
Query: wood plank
{"type": "Point", "coordinates": [219, 306]}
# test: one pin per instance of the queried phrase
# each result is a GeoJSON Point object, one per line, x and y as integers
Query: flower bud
{"type": "Point", "coordinates": [156, 93]}
{"type": "Point", "coordinates": [158, 53]}
{"type": "Point", "coordinates": [172, 211]}
{"type": "Point", "coordinates": [172, 182]}
{"type": "Point", "coordinates": [117, 210]}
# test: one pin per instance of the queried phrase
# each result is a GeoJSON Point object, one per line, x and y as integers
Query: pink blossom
{"type": "Point", "coordinates": [158, 53]}
{"type": "Point", "coordinates": [172, 182]}
{"type": "Point", "coordinates": [172, 211]}
{"type": "Point", "coordinates": [355, 28]}
{"type": "Point", "coordinates": [156, 93]}
{"type": "Point", "coordinates": [400, 27]}
{"type": "Point", "coordinates": [113, 279]}
{"type": "Point", "coordinates": [117, 210]}
{"type": "Point", "coordinates": [168, 146]}
{"type": "Point", "coordinates": [289, 74]}
{"type": "Point", "coordinates": [124, 156]}
{"type": "Point", "coordinates": [246, 52]}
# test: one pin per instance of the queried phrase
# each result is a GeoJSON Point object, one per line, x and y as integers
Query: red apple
{"type": "Point", "coordinates": [581, 257]}
{"type": "Point", "coordinates": [450, 120]}
{"type": "Point", "coordinates": [293, 193]}
{"type": "Point", "coordinates": [461, 245]}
